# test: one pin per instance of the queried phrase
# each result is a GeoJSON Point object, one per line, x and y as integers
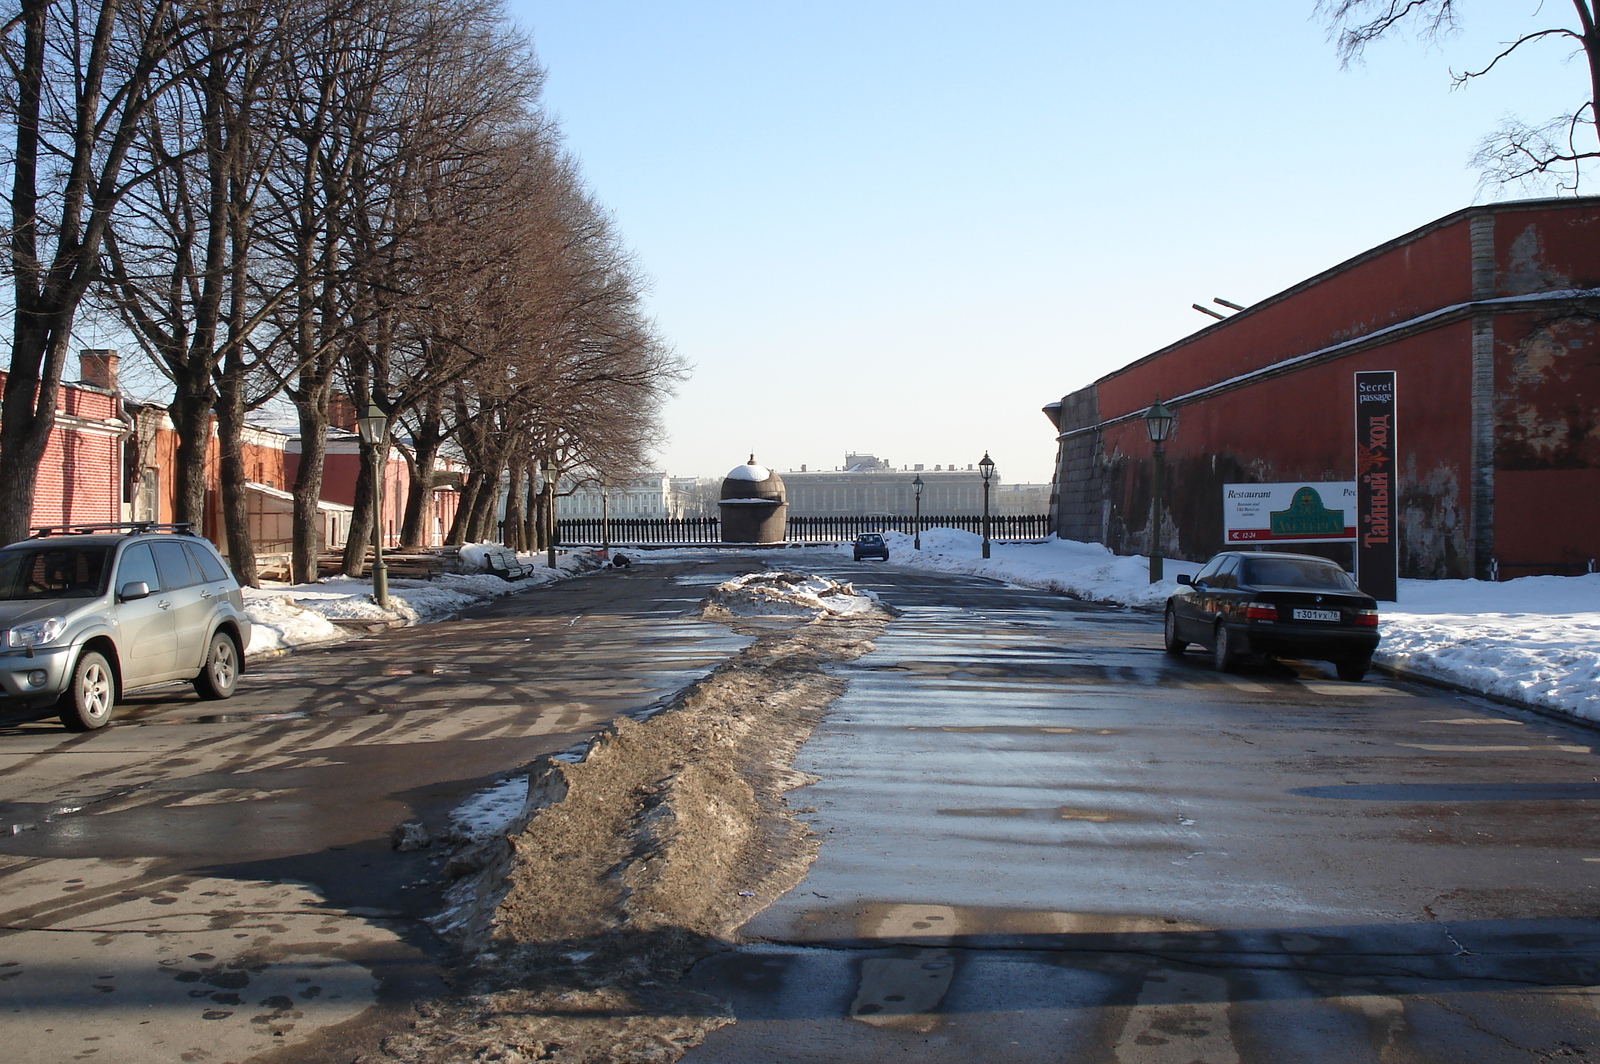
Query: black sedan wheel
{"type": "Point", "coordinates": [1353, 671]}
{"type": "Point", "coordinates": [1223, 656]}
{"type": "Point", "coordinates": [1170, 634]}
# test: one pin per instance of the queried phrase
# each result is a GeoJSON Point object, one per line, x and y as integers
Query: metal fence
{"type": "Point", "coordinates": [582, 531]}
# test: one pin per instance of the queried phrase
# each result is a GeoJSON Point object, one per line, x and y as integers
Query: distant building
{"type": "Point", "coordinates": [648, 495]}
{"type": "Point", "coordinates": [867, 485]}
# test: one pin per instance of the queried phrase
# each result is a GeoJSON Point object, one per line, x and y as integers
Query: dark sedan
{"type": "Point", "coordinates": [1259, 604]}
{"type": "Point", "coordinates": [871, 545]}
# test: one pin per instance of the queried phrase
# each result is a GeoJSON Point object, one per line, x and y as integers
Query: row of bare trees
{"type": "Point", "coordinates": [285, 199]}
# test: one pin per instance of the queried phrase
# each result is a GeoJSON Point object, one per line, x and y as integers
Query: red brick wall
{"type": "Point", "coordinates": [80, 475]}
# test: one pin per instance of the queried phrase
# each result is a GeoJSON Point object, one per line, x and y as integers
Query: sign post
{"type": "Point", "coordinates": [1377, 539]}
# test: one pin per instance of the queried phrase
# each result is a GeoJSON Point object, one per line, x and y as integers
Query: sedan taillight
{"type": "Point", "coordinates": [1260, 611]}
{"type": "Point", "coordinates": [1367, 618]}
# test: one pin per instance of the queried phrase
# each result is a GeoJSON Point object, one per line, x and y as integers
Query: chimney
{"type": "Point", "coordinates": [97, 367]}
{"type": "Point", "coordinates": [341, 412]}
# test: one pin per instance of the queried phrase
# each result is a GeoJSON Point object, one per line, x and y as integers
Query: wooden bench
{"type": "Point", "coordinates": [502, 562]}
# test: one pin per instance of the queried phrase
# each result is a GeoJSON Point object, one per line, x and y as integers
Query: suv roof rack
{"type": "Point", "coordinates": [184, 528]}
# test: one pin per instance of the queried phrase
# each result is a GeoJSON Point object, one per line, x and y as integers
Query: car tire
{"type": "Point", "coordinates": [90, 695]}
{"type": "Point", "coordinates": [1223, 655]}
{"type": "Point", "coordinates": [220, 674]}
{"type": "Point", "coordinates": [1353, 671]}
{"type": "Point", "coordinates": [1169, 632]}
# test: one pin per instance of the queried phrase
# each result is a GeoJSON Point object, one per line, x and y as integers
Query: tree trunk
{"type": "Point", "coordinates": [308, 488]}
{"type": "Point", "coordinates": [485, 508]}
{"type": "Point", "coordinates": [235, 496]}
{"type": "Point", "coordinates": [469, 497]}
{"type": "Point", "coordinates": [191, 417]}
{"type": "Point", "coordinates": [514, 494]}
{"type": "Point", "coordinates": [354, 560]}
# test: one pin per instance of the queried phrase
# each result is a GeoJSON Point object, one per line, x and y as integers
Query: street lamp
{"type": "Point", "coordinates": [916, 525]}
{"type": "Point", "coordinates": [986, 467]}
{"type": "Point", "coordinates": [374, 427]}
{"type": "Point", "coordinates": [1158, 423]}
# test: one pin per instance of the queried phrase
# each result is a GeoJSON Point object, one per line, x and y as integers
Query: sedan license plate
{"type": "Point", "coordinates": [1316, 615]}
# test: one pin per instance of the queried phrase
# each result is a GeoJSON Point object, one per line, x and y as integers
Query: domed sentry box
{"type": "Point", "coordinates": [753, 506]}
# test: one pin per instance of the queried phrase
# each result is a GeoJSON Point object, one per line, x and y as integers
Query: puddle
{"type": "Point", "coordinates": [219, 718]}
{"type": "Point", "coordinates": [700, 579]}
{"type": "Point", "coordinates": [1056, 813]}
{"type": "Point", "coordinates": [1014, 729]}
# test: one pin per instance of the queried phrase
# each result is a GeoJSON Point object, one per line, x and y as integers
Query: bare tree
{"type": "Point", "coordinates": [1517, 152]}
{"type": "Point", "coordinates": [177, 254]}
{"type": "Point", "coordinates": [82, 76]}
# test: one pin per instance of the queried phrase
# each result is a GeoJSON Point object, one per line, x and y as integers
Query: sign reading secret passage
{"type": "Point", "coordinates": [1377, 532]}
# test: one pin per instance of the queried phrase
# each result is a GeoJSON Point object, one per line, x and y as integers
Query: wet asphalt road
{"type": "Point", "coordinates": [1041, 840]}
{"type": "Point", "coordinates": [1045, 840]}
{"type": "Point", "coordinates": [211, 881]}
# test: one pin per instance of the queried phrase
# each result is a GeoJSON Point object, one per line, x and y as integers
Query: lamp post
{"type": "Point", "coordinates": [1158, 423]}
{"type": "Point", "coordinates": [605, 519]}
{"type": "Point", "coordinates": [986, 467]}
{"type": "Point", "coordinates": [916, 524]}
{"type": "Point", "coordinates": [374, 427]}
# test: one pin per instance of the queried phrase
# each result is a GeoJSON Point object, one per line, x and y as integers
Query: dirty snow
{"type": "Point", "coordinates": [283, 616]}
{"type": "Point", "coordinates": [781, 594]}
{"type": "Point", "coordinates": [486, 814]}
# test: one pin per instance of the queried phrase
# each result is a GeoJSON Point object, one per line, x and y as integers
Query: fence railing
{"type": "Point", "coordinates": [583, 531]}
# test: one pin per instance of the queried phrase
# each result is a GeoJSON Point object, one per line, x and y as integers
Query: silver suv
{"type": "Point", "coordinates": [89, 612]}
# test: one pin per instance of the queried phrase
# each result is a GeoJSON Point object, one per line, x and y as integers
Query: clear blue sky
{"type": "Point", "coordinates": [902, 228]}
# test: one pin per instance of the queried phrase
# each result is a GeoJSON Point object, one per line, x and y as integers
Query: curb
{"type": "Point", "coordinates": [1400, 672]}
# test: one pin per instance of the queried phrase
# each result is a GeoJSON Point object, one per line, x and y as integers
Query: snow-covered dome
{"type": "Point", "coordinates": [749, 471]}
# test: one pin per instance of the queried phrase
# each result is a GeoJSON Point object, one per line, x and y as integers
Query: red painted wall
{"type": "Point", "coordinates": [1297, 425]}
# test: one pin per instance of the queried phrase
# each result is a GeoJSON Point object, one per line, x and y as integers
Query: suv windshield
{"type": "Point", "coordinates": [52, 572]}
{"type": "Point", "coordinates": [1284, 572]}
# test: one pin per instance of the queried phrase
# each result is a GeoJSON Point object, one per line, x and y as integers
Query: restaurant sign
{"type": "Point", "coordinates": [1295, 512]}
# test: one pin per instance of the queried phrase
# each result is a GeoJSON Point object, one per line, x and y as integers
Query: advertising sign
{"type": "Point", "coordinates": [1377, 545]}
{"type": "Point", "coordinates": [1296, 512]}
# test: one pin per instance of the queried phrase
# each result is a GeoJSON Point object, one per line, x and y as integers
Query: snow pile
{"type": "Point", "coordinates": [1082, 570]}
{"type": "Point", "coordinates": [291, 615]}
{"type": "Point", "coordinates": [1535, 639]}
{"type": "Point", "coordinates": [277, 622]}
{"type": "Point", "coordinates": [780, 594]}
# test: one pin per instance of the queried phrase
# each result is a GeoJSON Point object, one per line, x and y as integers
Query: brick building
{"type": "Point", "coordinates": [1490, 318]}
{"type": "Point", "coordinates": [80, 475]}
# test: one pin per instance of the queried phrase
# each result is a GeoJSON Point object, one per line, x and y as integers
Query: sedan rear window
{"type": "Point", "coordinates": [1286, 572]}
{"type": "Point", "coordinates": [52, 572]}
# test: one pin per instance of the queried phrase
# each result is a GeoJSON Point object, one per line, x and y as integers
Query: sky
{"type": "Point", "coordinates": [902, 228]}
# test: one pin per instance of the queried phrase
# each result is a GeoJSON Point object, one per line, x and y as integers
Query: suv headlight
{"type": "Point", "coordinates": [36, 633]}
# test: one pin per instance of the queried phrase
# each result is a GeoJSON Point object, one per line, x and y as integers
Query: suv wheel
{"type": "Point", "coordinates": [220, 675]}
{"type": "Point", "coordinates": [86, 703]}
